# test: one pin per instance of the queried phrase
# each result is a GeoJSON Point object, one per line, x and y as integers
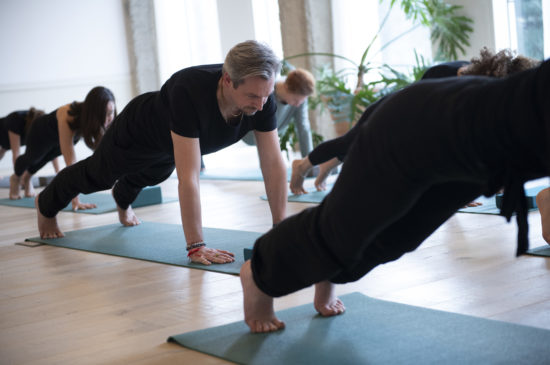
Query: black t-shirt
{"type": "Point", "coordinates": [187, 105]}
{"type": "Point", "coordinates": [14, 122]}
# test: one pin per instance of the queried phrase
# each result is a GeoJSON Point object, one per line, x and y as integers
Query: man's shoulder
{"type": "Point", "coordinates": [199, 72]}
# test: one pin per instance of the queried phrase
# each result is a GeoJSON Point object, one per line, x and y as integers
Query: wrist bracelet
{"type": "Point", "coordinates": [195, 245]}
{"type": "Point", "coordinates": [192, 251]}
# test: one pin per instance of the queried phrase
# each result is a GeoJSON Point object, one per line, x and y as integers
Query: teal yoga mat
{"type": "Point", "coordinates": [157, 242]}
{"type": "Point", "coordinates": [491, 205]}
{"type": "Point", "coordinates": [104, 201]}
{"type": "Point", "coordinates": [243, 174]}
{"type": "Point", "coordinates": [373, 331]}
{"type": "Point", "coordinates": [313, 196]}
{"type": "Point", "coordinates": [540, 251]}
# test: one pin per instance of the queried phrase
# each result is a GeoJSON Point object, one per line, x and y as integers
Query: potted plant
{"type": "Point", "coordinates": [449, 31]}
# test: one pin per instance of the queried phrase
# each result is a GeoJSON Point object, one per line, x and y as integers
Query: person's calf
{"type": "Point", "coordinates": [15, 185]}
{"type": "Point", "coordinates": [26, 182]}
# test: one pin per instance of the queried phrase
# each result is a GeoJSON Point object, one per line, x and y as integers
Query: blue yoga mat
{"type": "Point", "coordinates": [104, 201]}
{"type": "Point", "coordinates": [157, 242]}
{"type": "Point", "coordinates": [243, 174]}
{"type": "Point", "coordinates": [490, 204]}
{"type": "Point", "coordinates": [373, 331]}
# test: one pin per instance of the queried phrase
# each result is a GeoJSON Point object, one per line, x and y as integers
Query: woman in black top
{"type": "Point", "coordinates": [55, 134]}
{"type": "Point", "coordinates": [431, 147]}
{"type": "Point", "coordinates": [330, 154]}
{"type": "Point", "coordinates": [199, 110]}
{"type": "Point", "coordinates": [13, 132]}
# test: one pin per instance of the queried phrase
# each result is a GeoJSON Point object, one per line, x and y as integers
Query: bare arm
{"type": "Point", "coordinates": [66, 136]}
{"type": "Point", "coordinates": [274, 173]}
{"type": "Point", "coordinates": [55, 163]}
{"type": "Point", "coordinates": [15, 145]}
{"type": "Point", "coordinates": [187, 156]}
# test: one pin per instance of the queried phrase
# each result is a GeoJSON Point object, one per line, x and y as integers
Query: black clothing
{"type": "Point", "coordinates": [425, 152]}
{"type": "Point", "coordinates": [447, 69]}
{"type": "Point", "coordinates": [338, 147]}
{"type": "Point", "coordinates": [14, 122]}
{"type": "Point", "coordinates": [137, 151]}
{"type": "Point", "coordinates": [42, 145]}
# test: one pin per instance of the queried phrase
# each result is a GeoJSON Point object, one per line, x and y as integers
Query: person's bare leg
{"type": "Point", "coordinates": [26, 181]}
{"type": "Point", "coordinates": [47, 227]}
{"type": "Point", "coordinates": [127, 217]}
{"type": "Point", "coordinates": [543, 203]}
{"type": "Point", "coordinates": [258, 306]}
{"type": "Point", "coordinates": [15, 185]}
{"type": "Point", "coordinates": [326, 302]}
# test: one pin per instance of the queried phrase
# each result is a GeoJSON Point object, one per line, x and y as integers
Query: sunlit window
{"type": "Point", "coordinates": [356, 22]}
{"type": "Point", "coordinates": [523, 26]}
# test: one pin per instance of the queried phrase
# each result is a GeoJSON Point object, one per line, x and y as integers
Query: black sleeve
{"type": "Point", "coordinates": [338, 147]}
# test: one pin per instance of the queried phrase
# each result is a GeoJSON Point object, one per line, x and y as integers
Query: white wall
{"type": "Point", "coordinates": [481, 12]}
{"type": "Point", "coordinates": [55, 51]}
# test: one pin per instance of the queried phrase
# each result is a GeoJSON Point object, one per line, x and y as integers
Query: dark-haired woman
{"type": "Point", "coordinates": [55, 134]}
{"type": "Point", "coordinates": [13, 132]}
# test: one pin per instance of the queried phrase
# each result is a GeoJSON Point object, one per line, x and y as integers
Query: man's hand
{"type": "Point", "coordinates": [207, 256]}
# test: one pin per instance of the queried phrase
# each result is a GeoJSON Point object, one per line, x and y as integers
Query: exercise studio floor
{"type": "Point", "coordinates": [64, 306]}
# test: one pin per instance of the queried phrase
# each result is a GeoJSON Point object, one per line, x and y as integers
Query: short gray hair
{"type": "Point", "coordinates": [249, 59]}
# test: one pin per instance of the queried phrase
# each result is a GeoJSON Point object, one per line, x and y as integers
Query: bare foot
{"type": "Point", "coordinates": [26, 181]}
{"type": "Point", "coordinates": [326, 302]}
{"type": "Point", "coordinates": [15, 183]}
{"type": "Point", "coordinates": [127, 217]}
{"type": "Point", "coordinates": [258, 306]}
{"type": "Point", "coordinates": [299, 171]}
{"type": "Point", "coordinates": [47, 227]}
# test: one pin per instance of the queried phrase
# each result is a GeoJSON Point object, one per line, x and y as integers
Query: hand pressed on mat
{"type": "Point", "coordinates": [206, 255]}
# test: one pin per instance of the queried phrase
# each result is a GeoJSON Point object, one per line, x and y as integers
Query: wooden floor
{"type": "Point", "coordinates": [62, 306]}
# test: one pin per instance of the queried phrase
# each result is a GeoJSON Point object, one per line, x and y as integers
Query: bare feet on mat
{"type": "Point", "coordinates": [543, 203]}
{"type": "Point", "coordinates": [47, 227]}
{"type": "Point", "coordinates": [258, 306]}
{"type": "Point", "coordinates": [26, 182]}
{"type": "Point", "coordinates": [299, 170]}
{"type": "Point", "coordinates": [326, 302]}
{"type": "Point", "coordinates": [127, 217]}
{"type": "Point", "coordinates": [15, 183]}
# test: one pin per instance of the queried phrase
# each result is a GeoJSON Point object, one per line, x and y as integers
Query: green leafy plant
{"type": "Point", "coordinates": [449, 31]}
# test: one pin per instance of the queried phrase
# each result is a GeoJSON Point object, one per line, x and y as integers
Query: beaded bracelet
{"type": "Point", "coordinates": [195, 245]}
{"type": "Point", "coordinates": [192, 251]}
